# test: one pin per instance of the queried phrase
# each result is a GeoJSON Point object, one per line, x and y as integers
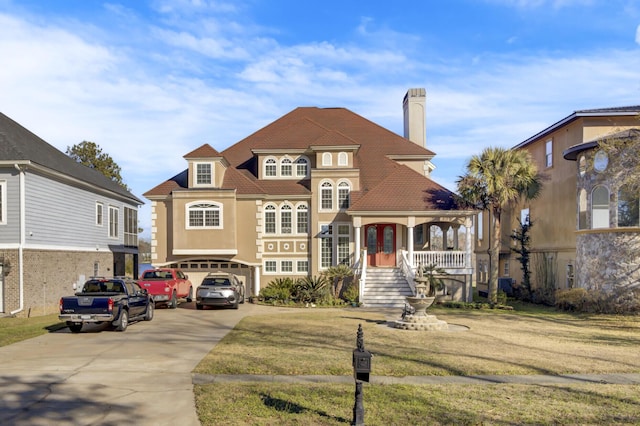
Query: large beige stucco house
{"type": "Point", "coordinates": [315, 188]}
{"type": "Point", "coordinates": [582, 235]}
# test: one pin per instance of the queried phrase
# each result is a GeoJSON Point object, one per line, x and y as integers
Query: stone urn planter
{"type": "Point", "coordinates": [422, 300]}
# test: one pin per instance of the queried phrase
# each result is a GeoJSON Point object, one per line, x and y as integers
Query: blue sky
{"type": "Point", "coordinates": [150, 81]}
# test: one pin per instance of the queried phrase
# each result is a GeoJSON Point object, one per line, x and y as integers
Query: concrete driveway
{"type": "Point", "coordinates": [101, 377]}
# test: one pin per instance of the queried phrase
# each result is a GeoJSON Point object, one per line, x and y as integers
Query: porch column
{"type": "Point", "coordinates": [256, 280]}
{"type": "Point", "coordinates": [356, 236]}
{"type": "Point", "coordinates": [410, 244]}
{"type": "Point", "coordinates": [445, 236]}
{"type": "Point", "coordinates": [411, 223]}
{"type": "Point", "coordinates": [455, 237]}
{"type": "Point", "coordinates": [467, 243]}
{"type": "Point", "coordinates": [357, 224]}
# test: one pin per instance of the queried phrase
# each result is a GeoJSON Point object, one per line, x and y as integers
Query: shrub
{"type": "Point", "coordinates": [312, 289]}
{"type": "Point", "coordinates": [619, 301]}
{"type": "Point", "coordinates": [279, 290]}
{"type": "Point", "coordinates": [337, 276]}
{"type": "Point", "coordinates": [351, 293]}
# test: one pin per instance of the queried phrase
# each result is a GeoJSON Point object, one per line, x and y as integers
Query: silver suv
{"type": "Point", "coordinates": [220, 289]}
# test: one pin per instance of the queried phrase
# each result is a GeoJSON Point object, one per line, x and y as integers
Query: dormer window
{"type": "Point", "coordinates": [204, 174]}
{"type": "Point", "coordinates": [286, 167]}
{"type": "Point", "coordinates": [270, 167]}
{"type": "Point", "coordinates": [326, 159]}
{"type": "Point", "coordinates": [343, 159]}
{"type": "Point", "coordinates": [302, 167]}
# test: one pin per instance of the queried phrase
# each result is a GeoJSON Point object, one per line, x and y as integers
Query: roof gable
{"type": "Point", "coordinates": [20, 144]}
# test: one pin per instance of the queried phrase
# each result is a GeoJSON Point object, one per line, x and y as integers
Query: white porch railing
{"type": "Point", "coordinates": [442, 259]}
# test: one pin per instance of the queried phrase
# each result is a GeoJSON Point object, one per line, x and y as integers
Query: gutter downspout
{"type": "Point", "coordinates": [22, 241]}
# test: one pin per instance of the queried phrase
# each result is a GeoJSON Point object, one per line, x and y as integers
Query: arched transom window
{"type": "Point", "coordinates": [204, 215]}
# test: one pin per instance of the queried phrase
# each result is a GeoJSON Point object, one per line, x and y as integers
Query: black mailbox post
{"type": "Point", "coordinates": [361, 364]}
{"type": "Point", "coordinates": [361, 371]}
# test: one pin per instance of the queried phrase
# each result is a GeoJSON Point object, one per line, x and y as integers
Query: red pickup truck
{"type": "Point", "coordinates": [166, 286]}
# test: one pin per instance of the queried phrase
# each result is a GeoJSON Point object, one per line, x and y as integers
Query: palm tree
{"type": "Point", "coordinates": [497, 179]}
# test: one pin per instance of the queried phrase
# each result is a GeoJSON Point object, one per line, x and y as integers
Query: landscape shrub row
{"type": "Point", "coordinates": [626, 301]}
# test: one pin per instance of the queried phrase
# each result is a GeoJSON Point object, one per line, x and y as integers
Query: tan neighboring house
{"type": "Point", "coordinates": [576, 237]}
{"type": "Point", "coordinates": [315, 188]}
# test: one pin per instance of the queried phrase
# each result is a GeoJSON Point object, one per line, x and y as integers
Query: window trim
{"type": "Point", "coordinates": [197, 174]}
{"type": "Point", "coordinates": [285, 207]}
{"type": "Point", "coordinates": [342, 184]}
{"type": "Point", "coordinates": [188, 207]}
{"type": "Point", "coordinates": [334, 236]}
{"type": "Point", "coordinates": [99, 215]}
{"type": "Point", "coordinates": [322, 188]}
{"type": "Point", "coordinates": [270, 161]}
{"type": "Point", "coordinates": [302, 207]}
{"type": "Point", "coordinates": [343, 159]}
{"type": "Point", "coordinates": [3, 202]}
{"type": "Point", "coordinates": [275, 266]}
{"type": "Point", "coordinates": [288, 162]}
{"type": "Point", "coordinates": [113, 235]}
{"type": "Point", "coordinates": [608, 208]}
{"type": "Point", "coordinates": [299, 161]}
{"type": "Point", "coordinates": [270, 207]}
{"type": "Point", "coordinates": [130, 226]}
{"type": "Point", "coordinates": [548, 153]}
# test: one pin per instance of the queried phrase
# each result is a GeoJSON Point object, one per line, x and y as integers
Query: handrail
{"type": "Point", "coordinates": [407, 270]}
{"type": "Point", "coordinates": [363, 274]}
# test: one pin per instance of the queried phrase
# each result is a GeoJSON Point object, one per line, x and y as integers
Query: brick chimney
{"type": "Point", "coordinates": [415, 126]}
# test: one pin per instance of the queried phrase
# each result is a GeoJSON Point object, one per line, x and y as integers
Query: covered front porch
{"type": "Point", "coordinates": [405, 243]}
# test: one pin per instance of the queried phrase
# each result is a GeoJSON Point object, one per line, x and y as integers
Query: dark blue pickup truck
{"type": "Point", "coordinates": [114, 300]}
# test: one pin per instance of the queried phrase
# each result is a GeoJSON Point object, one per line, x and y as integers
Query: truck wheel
{"type": "Point", "coordinates": [173, 303]}
{"type": "Point", "coordinates": [122, 323]}
{"type": "Point", "coordinates": [190, 296]}
{"type": "Point", "coordinates": [148, 316]}
{"type": "Point", "coordinates": [199, 306]}
{"type": "Point", "coordinates": [75, 327]}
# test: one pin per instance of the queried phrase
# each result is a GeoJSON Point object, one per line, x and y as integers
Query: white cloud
{"type": "Point", "coordinates": [148, 104]}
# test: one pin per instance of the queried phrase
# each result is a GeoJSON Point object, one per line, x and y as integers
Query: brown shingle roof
{"type": "Point", "coordinates": [403, 189]}
{"type": "Point", "coordinates": [384, 184]}
{"type": "Point", "coordinates": [205, 151]}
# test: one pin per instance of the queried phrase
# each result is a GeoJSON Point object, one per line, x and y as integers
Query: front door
{"type": "Point", "coordinates": [381, 244]}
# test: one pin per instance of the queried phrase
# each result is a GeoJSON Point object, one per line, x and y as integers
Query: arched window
{"type": "Point", "coordinates": [270, 219]}
{"type": "Point", "coordinates": [286, 167]}
{"type": "Point", "coordinates": [343, 159]}
{"type": "Point", "coordinates": [343, 195]}
{"type": "Point", "coordinates": [270, 167]}
{"type": "Point", "coordinates": [628, 204]}
{"type": "Point", "coordinates": [326, 159]}
{"type": "Point", "coordinates": [302, 219]}
{"type": "Point", "coordinates": [582, 210]}
{"type": "Point", "coordinates": [600, 208]}
{"type": "Point", "coordinates": [204, 215]}
{"type": "Point", "coordinates": [285, 219]}
{"type": "Point", "coordinates": [302, 167]}
{"type": "Point", "coordinates": [326, 196]}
